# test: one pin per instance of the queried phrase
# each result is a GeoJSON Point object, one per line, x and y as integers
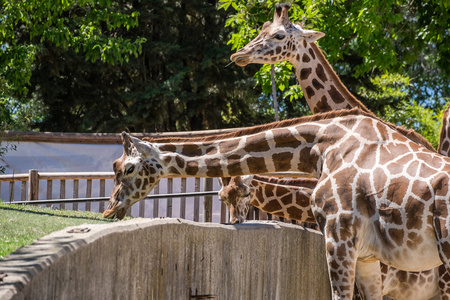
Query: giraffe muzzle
{"type": "Point", "coordinates": [240, 59]}
{"type": "Point", "coordinates": [114, 210]}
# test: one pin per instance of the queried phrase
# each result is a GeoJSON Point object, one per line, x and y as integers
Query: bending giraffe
{"type": "Point", "coordinates": [290, 198]}
{"type": "Point", "coordinates": [379, 196]}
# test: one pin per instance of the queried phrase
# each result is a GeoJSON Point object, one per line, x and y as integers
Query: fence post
{"type": "Point", "coordinates": [207, 203]}
{"type": "Point", "coordinates": [33, 185]}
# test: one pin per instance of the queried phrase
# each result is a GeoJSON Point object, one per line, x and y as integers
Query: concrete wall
{"type": "Point", "coordinates": [170, 259]}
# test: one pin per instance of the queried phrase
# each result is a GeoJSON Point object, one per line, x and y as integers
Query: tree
{"type": "Point", "coordinates": [79, 26]}
{"type": "Point", "coordinates": [179, 81]}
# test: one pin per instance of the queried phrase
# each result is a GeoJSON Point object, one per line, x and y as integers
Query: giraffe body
{"type": "Point", "coordinates": [290, 198]}
{"type": "Point", "coordinates": [280, 40]}
{"type": "Point", "coordinates": [379, 195]}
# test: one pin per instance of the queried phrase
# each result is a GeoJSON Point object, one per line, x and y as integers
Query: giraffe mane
{"type": "Point", "coordinates": [301, 182]}
{"type": "Point", "coordinates": [260, 128]}
{"type": "Point", "coordinates": [409, 133]}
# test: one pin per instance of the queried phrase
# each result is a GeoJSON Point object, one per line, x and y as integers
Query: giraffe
{"type": "Point", "coordinates": [290, 198]}
{"type": "Point", "coordinates": [379, 195]}
{"type": "Point", "coordinates": [281, 40]}
{"type": "Point", "coordinates": [444, 140]}
{"type": "Point", "coordinates": [283, 198]}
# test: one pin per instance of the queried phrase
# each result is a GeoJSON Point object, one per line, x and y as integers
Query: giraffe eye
{"type": "Point", "coordinates": [129, 170]}
{"type": "Point", "coordinates": [279, 36]}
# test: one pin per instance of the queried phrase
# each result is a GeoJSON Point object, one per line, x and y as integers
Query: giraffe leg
{"type": "Point", "coordinates": [444, 282]}
{"type": "Point", "coordinates": [368, 276]}
{"type": "Point", "coordinates": [341, 270]}
{"type": "Point", "coordinates": [443, 242]}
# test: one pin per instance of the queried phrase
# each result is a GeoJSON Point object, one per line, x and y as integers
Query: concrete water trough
{"type": "Point", "coordinates": [170, 259]}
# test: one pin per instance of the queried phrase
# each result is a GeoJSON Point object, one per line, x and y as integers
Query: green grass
{"type": "Point", "coordinates": [21, 225]}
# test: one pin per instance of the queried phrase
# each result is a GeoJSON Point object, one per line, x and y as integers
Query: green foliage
{"type": "Point", "coordinates": [425, 121]}
{"type": "Point", "coordinates": [180, 81]}
{"type": "Point", "coordinates": [74, 66]}
{"type": "Point", "coordinates": [82, 26]}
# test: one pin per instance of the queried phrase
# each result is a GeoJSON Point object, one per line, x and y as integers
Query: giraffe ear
{"type": "Point", "coordinates": [127, 143]}
{"type": "Point", "coordinates": [247, 179]}
{"type": "Point", "coordinates": [311, 35]}
{"type": "Point", "coordinates": [224, 181]}
{"type": "Point", "coordinates": [143, 148]}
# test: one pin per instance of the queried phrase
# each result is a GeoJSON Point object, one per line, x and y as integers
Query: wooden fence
{"type": "Point", "coordinates": [30, 186]}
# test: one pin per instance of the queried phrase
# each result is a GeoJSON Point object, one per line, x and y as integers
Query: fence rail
{"type": "Point", "coordinates": [30, 189]}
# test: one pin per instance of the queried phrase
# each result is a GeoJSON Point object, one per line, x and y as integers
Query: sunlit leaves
{"type": "Point", "coordinates": [85, 26]}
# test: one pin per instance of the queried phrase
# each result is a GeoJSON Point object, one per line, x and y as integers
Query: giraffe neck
{"type": "Point", "coordinates": [444, 140]}
{"type": "Point", "coordinates": [292, 202]}
{"type": "Point", "coordinates": [323, 89]}
{"type": "Point", "coordinates": [276, 150]}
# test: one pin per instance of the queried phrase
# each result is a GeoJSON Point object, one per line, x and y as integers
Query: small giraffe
{"type": "Point", "coordinates": [282, 198]}
{"type": "Point", "coordinates": [290, 198]}
{"type": "Point", "coordinates": [379, 196]}
{"type": "Point", "coordinates": [281, 40]}
{"type": "Point", "coordinates": [444, 140]}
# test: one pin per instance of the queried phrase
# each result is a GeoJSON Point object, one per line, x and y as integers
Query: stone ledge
{"type": "Point", "coordinates": [170, 258]}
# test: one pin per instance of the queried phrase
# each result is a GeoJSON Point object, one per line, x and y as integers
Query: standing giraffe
{"type": "Point", "coordinates": [281, 40]}
{"type": "Point", "coordinates": [290, 198]}
{"type": "Point", "coordinates": [379, 196]}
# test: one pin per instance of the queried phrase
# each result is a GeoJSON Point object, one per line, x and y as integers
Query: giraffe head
{"type": "Point", "coordinates": [235, 193]}
{"type": "Point", "coordinates": [278, 41]}
{"type": "Point", "coordinates": [137, 172]}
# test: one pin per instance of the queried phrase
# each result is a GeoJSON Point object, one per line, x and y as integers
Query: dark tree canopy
{"type": "Point", "coordinates": [180, 81]}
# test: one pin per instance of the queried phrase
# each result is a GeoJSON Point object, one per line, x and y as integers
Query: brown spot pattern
{"type": "Point", "coordinates": [257, 143]}
{"type": "Point", "coordinates": [228, 146]}
{"type": "Point", "coordinates": [234, 165]}
{"type": "Point", "coordinates": [311, 52]}
{"type": "Point", "coordinates": [335, 95]}
{"type": "Point", "coordinates": [309, 91]}
{"type": "Point", "coordinates": [320, 71]}
{"type": "Point", "coordinates": [282, 161]}
{"type": "Point", "coordinates": [191, 150]}
{"type": "Point", "coordinates": [257, 165]}
{"type": "Point", "coordinates": [168, 148]}
{"type": "Point", "coordinates": [192, 168]}
{"type": "Point", "coordinates": [322, 105]}
{"type": "Point", "coordinates": [304, 73]}
{"type": "Point", "coordinates": [316, 84]}
{"type": "Point", "coordinates": [180, 161]}
{"type": "Point", "coordinates": [305, 58]}
{"type": "Point", "coordinates": [214, 167]}
{"type": "Point", "coordinates": [173, 170]}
